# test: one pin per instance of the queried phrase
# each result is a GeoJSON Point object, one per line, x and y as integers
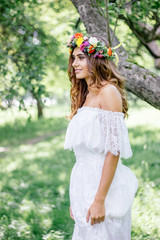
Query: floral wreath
{"type": "Point", "coordinates": [90, 45]}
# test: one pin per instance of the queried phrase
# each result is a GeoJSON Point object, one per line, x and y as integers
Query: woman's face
{"type": "Point", "coordinates": [80, 64]}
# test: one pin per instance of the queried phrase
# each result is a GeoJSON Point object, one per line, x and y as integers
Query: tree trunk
{"type": "Point", "coordinates": [141, 82]}
{"type": "Point", "coordinates": [39, 108]}
{"type": "Point", "coordinates": [39, 104]}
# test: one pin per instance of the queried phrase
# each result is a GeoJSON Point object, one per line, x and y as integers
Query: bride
{"type": "Point", "coordinates": [102, 189]}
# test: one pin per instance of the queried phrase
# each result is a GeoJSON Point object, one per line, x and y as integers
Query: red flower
{"type": "Point", "coordinates": [78, 35]}
{"type": "Point", "coordinates": [91, 49]}
{"type": "Point", "coordinates": [109, 51]}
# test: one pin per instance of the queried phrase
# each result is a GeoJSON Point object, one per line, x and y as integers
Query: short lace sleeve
{"type": "Point", "coordinates": [116, 139]}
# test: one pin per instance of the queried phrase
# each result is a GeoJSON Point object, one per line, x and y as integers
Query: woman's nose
{"type": "Point", "coordinates": [75, 63]}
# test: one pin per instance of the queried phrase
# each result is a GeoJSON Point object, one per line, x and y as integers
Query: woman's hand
{"type": "Point", "coordinates": [71, 214]}
{"type": "Point", "coordinates": [96, 212]}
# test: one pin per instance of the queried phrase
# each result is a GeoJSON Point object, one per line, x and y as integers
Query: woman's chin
{"type": "Point", "coordinates": [79, 76]}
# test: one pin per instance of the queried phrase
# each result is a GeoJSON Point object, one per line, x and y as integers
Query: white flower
{"type": "Point", "coordinates": [85, 38]}
{"type": "Point", "coordinates": [93, 41]}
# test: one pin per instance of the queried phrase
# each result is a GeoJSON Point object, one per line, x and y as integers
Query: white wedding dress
{"type": "Point", "coordinates": [91, 134]}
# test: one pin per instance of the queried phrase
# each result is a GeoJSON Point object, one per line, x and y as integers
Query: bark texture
{"type": "Point", "coordinates": [140, 81]}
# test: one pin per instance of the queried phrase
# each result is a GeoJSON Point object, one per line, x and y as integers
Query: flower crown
{"type": "Point", "coordinates": [90, 45]}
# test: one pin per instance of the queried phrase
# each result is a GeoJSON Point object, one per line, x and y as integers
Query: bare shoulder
{"type": "Point", "coordinates": [110, 99]}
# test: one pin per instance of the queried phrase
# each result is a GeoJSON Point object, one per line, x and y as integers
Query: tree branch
{"type": "Point", "coordinates": [107, 18]}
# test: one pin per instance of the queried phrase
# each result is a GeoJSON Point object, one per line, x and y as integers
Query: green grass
{"type": "Point", "coordinates": [35, 172]}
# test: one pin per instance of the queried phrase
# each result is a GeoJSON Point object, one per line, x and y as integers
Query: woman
{"type": "Point", "coordinates": [102, 189]}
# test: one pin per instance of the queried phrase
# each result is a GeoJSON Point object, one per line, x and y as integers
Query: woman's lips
{"type": "Point", "coordinates": [77, 70]}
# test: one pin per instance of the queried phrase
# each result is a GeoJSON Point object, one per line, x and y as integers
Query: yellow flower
{"type": "Point", "coordinates": [79, 41]}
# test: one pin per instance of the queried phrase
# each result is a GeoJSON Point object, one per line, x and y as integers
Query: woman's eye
{"type": "Point", "coordinates": [78, 58]}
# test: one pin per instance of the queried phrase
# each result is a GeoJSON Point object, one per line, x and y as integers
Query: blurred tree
{"type": "Point", "coordinates": [143, 18]}
{"type": "Point", "coordinates": [24, 51]}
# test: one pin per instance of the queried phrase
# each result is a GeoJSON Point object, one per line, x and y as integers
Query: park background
{"type": "Point", "coordinates": [34, 100]}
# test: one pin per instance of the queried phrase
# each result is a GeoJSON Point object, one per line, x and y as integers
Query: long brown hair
{"type": "Point", "coordinates": [100, 70]}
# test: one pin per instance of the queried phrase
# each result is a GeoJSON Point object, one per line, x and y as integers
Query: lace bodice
{"type": "Point", "coordinates": [99, 131]}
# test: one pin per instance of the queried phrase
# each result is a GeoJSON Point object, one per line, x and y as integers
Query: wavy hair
{"type": "Point", "coordinates": [99, 70]}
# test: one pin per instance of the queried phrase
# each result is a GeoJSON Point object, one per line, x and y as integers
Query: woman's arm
{"type": "Point", "coordinates": [110, 99]}
{"type": "Point", "coordinates": [109, 168]}
{"type": "Point", "coordinates": [97, 209]}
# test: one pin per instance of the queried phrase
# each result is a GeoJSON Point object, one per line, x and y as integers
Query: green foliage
{"type": "Point", "coordinates": [146, 11]}
{"type": "Point", "coordinates": [22, 56]}
{"type": "Point", "coordinates": [26, 51]}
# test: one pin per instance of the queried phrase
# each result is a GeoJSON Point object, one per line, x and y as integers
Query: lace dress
{"type": "Point", "coordinates": [91, 134]}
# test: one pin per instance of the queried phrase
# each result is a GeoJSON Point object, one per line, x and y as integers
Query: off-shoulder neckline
{"type": "Point", "coordinates": [99, 109]}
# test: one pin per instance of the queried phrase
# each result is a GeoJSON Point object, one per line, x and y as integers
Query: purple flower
{"type": "Point", "coordinates": [83, 45]}
{"type": "Point", "coordinates": [100, 56]}
{"type": "Point", "coordinates": [96, 55]}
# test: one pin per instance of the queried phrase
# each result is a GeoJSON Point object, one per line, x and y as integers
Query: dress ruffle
{"type": "Point", "coordinates": [99, 130]}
